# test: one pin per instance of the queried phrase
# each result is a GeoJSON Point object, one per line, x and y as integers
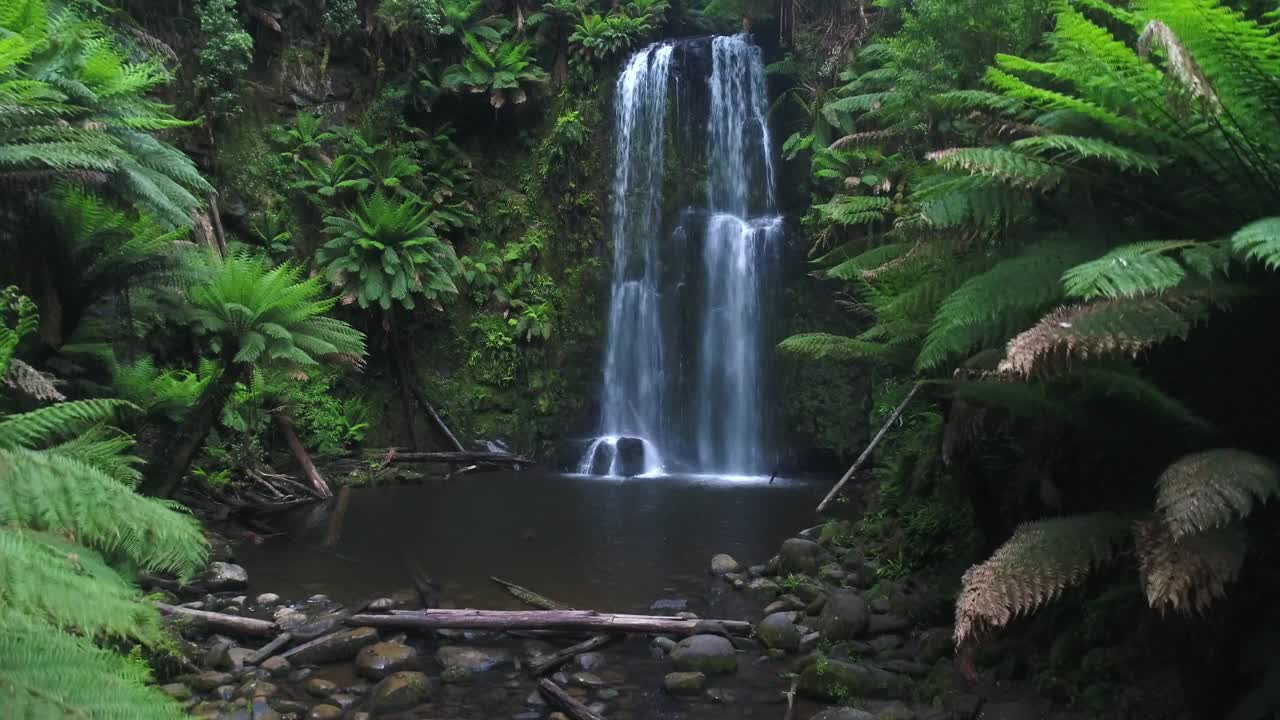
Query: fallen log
{"type": "Point", "coordinates": [566, 702]}
{"type": "Point", "coordinates": [529, 597]}
{"type": "Point", "coordinates": [440, 619]}
{"type": "Point", "coordinates": [220, 621]}
{"type": "Point", "coordinates": [468, 456]}
{"type": "Point", "coordinates": [556, 659]}
{"type": "Point", "coordinates": [867, 452]}
{"type": "Point", "coordinates": [269, 649]}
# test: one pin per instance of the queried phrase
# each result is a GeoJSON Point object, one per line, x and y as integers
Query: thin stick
{"type": "Point", "coordinates": [566, 702]}
{"type": "Point", "coordinates": [555, 660]}
{"type": "Point", "coordinates": [220, 621]}
{"type": "Point", "coordinates": [269, 649]}
{"type": "Point", "coordinates": [867, 453]}
{"type": "Point", "coordinates": [589, 620]}
{"type": "Point", "coordinates": [791, 699]}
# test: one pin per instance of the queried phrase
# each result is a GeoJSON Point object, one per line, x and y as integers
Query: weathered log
{"type": "Point", "coordinates": [269, 649]}
{"type": "Point", "coordinates": [566, 702]}
{"type": "Point", "coordinates": [299, 451]}
{"type": "Point", "coordinates": [546, 620]}
{"type": "Point", "coordinates": [867, 453]}
{"type": "Point", "coordinates": [471, 456]}
{"type": "Point", "coordinates": [421, 397]}
{"type": "Point", "coordinates": [220, 621]}
{"type": "Point", "coordinates": [529, 597]}
{"type": "Point", "coordinates": [556, 659]}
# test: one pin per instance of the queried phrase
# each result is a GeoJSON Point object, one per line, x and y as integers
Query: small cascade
{"type": "Point", "coordinates": [685, 384]}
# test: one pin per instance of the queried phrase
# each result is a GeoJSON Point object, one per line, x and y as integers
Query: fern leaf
{"type": "Point", "coordinates": [1004, 164]}
{"type": "Point", "coordinates": [1187, 574]}
{"type": "Point", "coordinates": [1105, 328]}
{"type": "Point", "coordinates": [1033, 568]}
{"type": "Point", "coordinates": [1259, 241]}
{"type": "Point", "coordinates": [45, 673]}
{"type": "Point", "coordinates": [989, 306]}
{"type": "Point", "coordinates": [868, 262]}
{"type": "Point", "coordinates": [1140, 268]}
{"type": "Point", "coordinates": [825, 345]}
{"type": "Point", "coordinates": [44, 425]}
{"type": "Point", "coordinates": [1074, 149]}
{"type": "Point", "coordinates": [853, 209]}
{"type": "Point", "coordinates": [1211, 489]}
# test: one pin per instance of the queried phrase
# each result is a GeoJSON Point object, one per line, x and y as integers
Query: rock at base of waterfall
{"type": "Point", "coordinates": [630, 456]}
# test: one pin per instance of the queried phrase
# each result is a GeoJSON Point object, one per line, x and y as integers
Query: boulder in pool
{"type": "Point", "coordinates": [708, 654]}
{"type": "Point", "coordinates": [381, 659]}
{"type": "Point", "coordinates": [400, 691]}
{"type": "Point", "coordinates": [779, 631]}
{"type": "Point", "coordinates": [630, 460]}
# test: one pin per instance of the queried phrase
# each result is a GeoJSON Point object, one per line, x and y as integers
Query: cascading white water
{"type": "Point", "coordinates": [684, 373]}
{"type": "Point", "coordinates": [738, 254]}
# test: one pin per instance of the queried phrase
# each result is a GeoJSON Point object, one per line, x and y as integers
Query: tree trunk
{"type": "Point", "coordinates": [588, 620]}
{"type": "Point", "coordinates": [560, 69]}
{"type": "Point", "coordinates": [285, 424]}
{"type": "Point", "coordinates": [402, 377]}
{"type": "Point", "coordinates": [173, 457]}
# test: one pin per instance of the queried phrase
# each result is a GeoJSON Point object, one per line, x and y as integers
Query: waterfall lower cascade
{"type": "Point", "coordinates": [696, 240]}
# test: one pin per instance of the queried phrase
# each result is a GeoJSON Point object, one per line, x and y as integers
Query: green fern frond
{"type": "Point", "coordinates": [825, 345]}
{"type": "Point", "coordinates": [868, 261]}
{"type": "Point", "coordinates": [70, 587]}
{"type": "Point", "coordinates": [1033, 568]}
{"type": "Point", "coordinates": [1006, 165]}
{"type": "Point", "coordinates": [104, 448]}
{"type": "Point", "coordinates": [45, 673]}
{"type": "Point", "coordinates": [991, 305]}
{"type": "Point", "coordinates": [1212, 489]}
{"type": "Point", "coordinates": [1073, 149]}
{"type": "Point", "coordinates": [949, 201]}
{"type": "Point", "coordinates": [1127, 384]}
{"type": "Point", "coordinates": [1142, 268]}
{"type": "Point", "coordinates": [1259, 241]}
{"type": "Point", "coordinates": [854, 209]}
{"type": "Point", "coordinates": [48, 492]}
{"type": "Point", "coordinates": [45, 425]}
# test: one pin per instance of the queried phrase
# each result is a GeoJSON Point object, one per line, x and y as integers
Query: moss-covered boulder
{"type": "Point", "coordinates": [400, 691]}
{"type": "Point", "coordinates": [779, 631]}
{"type": "Point", "coordinates": [835, 680]}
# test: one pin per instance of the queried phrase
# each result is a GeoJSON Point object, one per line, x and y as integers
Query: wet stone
{"type": "Point", "coordinates": [723, 564]}
{"type": "Point", "coordinates": [607, 693]}
{"type": "Point", "coordinates": [381, 659]}
{"type": "Point", "coordinates": [262, 710]}
{"type": "Point", "coordinates": [207, 680]}
{"type": "Point", "coordinates": [779, 631]}
{"type": "Point", "coordinates": [400, 691]}
{"type": "Point", "coordinates": [267, 599]}
{"type": "Point", "coordinates": [844, 714]}
{"type": "Point", "coordinates": [710, 654]}
{"type": "Point", "coordinates": [799, 556]}
{"type": "Point", "coordinates": [475, 660]}
{"type": "Point", "coordinates": [844, 617]}
{"type": "Point", "coordinates": [221, 576]}
{"type": "Point", "coordinates": [590, 660]}
{"type": "Point", "coordinates": [587, 680]}
{"type": "Point", "coordinates": [290, 707]}
{"type": "Point", "coordinates": [276, 666]}
{"type": "Point", "coordinates": [337, 647]}
{"type": "Point", "coordinates": [319, 687]}
{"type": "Point", "coordinates": [324, 712]}
{"type": "Point", "coordinates": [345, 701]}
{"type": "Point", "coordinates": [177, 691]}
{"type": "Point", "coordinates": [684, 683]}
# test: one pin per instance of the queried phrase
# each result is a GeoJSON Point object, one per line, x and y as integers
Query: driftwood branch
{"type": "Point", "coordinates": [556, 659]}
{"type": "Point", "coordinates": [529, 597]}
{"type": "Point", "coordinates": [867, 453]}
{"type": "Point", "coordinates": [269, 649]}
{"type": "Point", "coordinates": [582, 620]}
{"type": "Point", "coordinates": [421, 397]}
{"type": "Point", "coordinates": [566, 702]}
{"type": "Point", "coordinates": [299, 451]}
{"type": "Point", "coordinates": [220, 621]}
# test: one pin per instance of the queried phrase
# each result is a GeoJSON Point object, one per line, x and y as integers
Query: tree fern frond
{"type": "Point", "coordinates": [854, 209]}
{"type": "Point", "coordinates": [1126, 383]}
{"type": "Point", "coordinates": [825, 345]}
{"type": "Point", "coordinates": [70, 587]}
{"type": "Point", "coordinates": [1140, 268]}
{"type": "Point", "coordinates": [45, 673]}
{"type": "Point", "coordinates": [47, 424]}
{"type": "Point", "coordinates": [30, 381]}
{"type": "Point", "coordinates": [1033, 567]}
{"type": "Point", "coordinates": [104, 448]}
{"type": "Point", "coordinates": [1259, 241]}
{"type": "Point", "coordinates": [1211, 489]}
{"type": "Point", "coordinates": [1071, 148]}
{"type": "Point", "coordinates": [1105, 328]}
{"type": "Point", "coordinates": [868, 262]}
{"type": "Point", "coordinates": [1187, 574]}
{"type": "Point", "coordinates": [48, 492]}
{"type": "Point", "coordinates": [1006, 165]}
{"type": "Point", "coordinates": [956, 201]}
{"type": "Point", "coordinates": [991, 305]}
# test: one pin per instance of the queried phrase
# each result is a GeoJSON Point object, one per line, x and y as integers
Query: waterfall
{"type": "Point", "coordinates": [685, 385]}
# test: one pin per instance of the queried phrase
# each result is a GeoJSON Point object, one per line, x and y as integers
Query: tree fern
{"type": "Point", "coordinates": [825, 345]}
{"type": "Point", "coordinates": [1211, 489]}
{"type": "Point", "coordinates": [854, 209]}
{"type": "Point", "coordinates": [45, 425]}
{"type": "Point", "coordinates": [1142, 268]}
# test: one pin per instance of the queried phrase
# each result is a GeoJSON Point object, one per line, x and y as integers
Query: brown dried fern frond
{"type": "Point", "coordinates": [37, 385]}
{"type": "Point", "coordinates": [1033, 567]}
{"type": "Point", "coordinates": [1124, 326]}
{"type": "Point", "coordinates": [1214, 488]}
{"type": "Point", "coordinates": [1188, 574]}
{"type": "Point", "coordinates": [1182, 65]}
{"type": "Point", "coordinates": [860, 139]}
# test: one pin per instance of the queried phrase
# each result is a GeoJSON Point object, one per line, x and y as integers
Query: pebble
{"type": "Point", "coordinates": [267, 599]}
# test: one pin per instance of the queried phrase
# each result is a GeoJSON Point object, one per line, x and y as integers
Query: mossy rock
{"type": "Point", "coordinates": [836, 680]}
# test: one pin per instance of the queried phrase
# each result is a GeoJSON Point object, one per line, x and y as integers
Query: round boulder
{"type": "Point", "coordinates": [723, 565]}
{"type": "Point", "coordinates": [400, 691]}
{"type": "Point", "coordinates": [844, 617]}
{"type": "Point", "coordinates": [708, 654]}
{"type": "Point", "coordinates": [381, 659]}
{"type": "Point", "coordinates": [222, 576]}
{"type": "Point", "coordinates": [472, 660]}
{"type": "Point", "coordinates": [800, 556]}
{"type": "Point", "coordinates": [779, 631]}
